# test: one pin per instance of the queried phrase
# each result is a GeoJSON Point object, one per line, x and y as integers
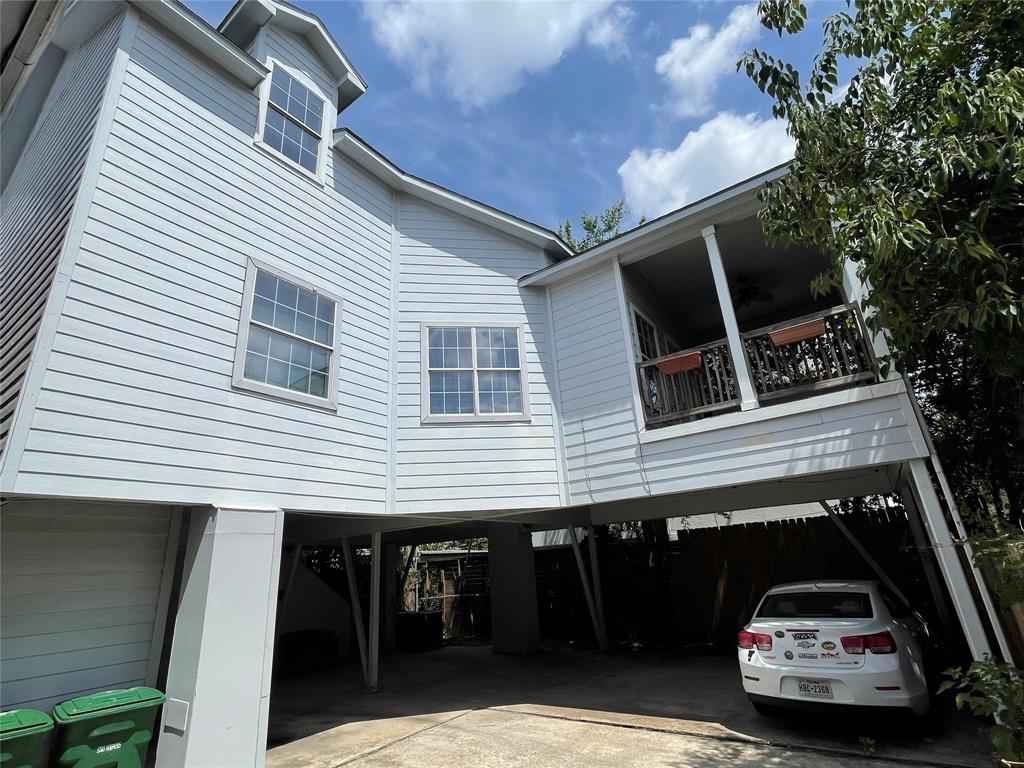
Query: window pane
{"type": "Point", "coordinates": [288, 307]}
{"type": "Point", "coordinates": [451, 392]}
{"type": "Point", "coordinates": [307, 302]}
{"type": "Point", "coordinates": [324, 333]}
{"type": "Point", "coordinates": [263, 310]}
{"type": "Point", "coordinates": [266, 284]}
{"type": "Point", "coordinates": [497, 348]}
{"type": "Point", "coordinates": [283, 361]}
{"type": "Point", "coordinates": [449, 348]}
{"type": "Point", "coordinates": [501, 391]}
{"type": "Point", "coordinates": [296, 99]}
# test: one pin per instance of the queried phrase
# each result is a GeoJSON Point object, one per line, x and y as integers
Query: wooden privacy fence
{"type": "Point", "coordinates": [718, 575]}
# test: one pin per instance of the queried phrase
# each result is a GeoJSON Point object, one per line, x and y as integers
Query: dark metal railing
{"type": "Point", "coordinates": [823, 350]}
{"type": "Point", "coordinates": [819, 351]}
{"type": "Point", "coordinates": [706, 386]}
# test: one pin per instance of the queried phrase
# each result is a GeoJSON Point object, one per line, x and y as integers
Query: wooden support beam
{"type": "Point", "coordinates": [602, 640]}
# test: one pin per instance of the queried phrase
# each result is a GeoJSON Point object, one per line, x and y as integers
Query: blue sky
{"type": "Point", "coordinates": [544, 109]}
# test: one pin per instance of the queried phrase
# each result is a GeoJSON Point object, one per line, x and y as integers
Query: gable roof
{"type": "Point", "coordinates": [247, 16]}
{"type": "Point", "coordinates": [373, 162]}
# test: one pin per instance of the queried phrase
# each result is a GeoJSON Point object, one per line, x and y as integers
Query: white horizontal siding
{"type": "Point", "coordinates": [37, 204]}
{"type": "Point", "coordinates": [137, 401]}
{"type": "Point", "coordinates": [296, 53]}
{"type": "Point", "coordinates": [607, 459]}
{"type": "Point", "coordinates": [456, 272]}
{"type": "Point", "coordinates": [80, 591]}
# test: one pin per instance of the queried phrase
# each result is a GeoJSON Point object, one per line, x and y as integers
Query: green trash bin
{"type": "Point", "coordinates": [112, 728]}
{"type": "Point", "coordinates": [23, 733]}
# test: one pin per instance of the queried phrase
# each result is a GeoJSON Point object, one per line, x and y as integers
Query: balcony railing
{"type": "Point", "coordinates": [693, 383]}
{"type": "Point", "coordinates": [824, 350]}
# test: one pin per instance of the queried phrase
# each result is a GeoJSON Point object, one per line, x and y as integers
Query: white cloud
{"type": "Point", "coordinates": [480, 51]}
{"type": "Point", "coordinates": [610, 32]}
{"type": "Point", "coordinates": [724, 150]}
{"type": "Point", "coordinates": [693, 64]}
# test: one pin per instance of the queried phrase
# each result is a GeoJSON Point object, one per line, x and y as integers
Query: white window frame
{"type": "Point", "coordinates": [635, 312]}
{"type": "Point", "coordinates": [427, 417]}
{"type": "Point", "coordinates": [245, 321]}
{"type": "Point", "coordinates": [323, 132]}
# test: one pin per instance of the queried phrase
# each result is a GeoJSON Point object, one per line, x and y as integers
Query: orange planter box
{"type": "Point", "coordinates": [680, 363]}
{"type": "Point", "coordinates": [795, 333]}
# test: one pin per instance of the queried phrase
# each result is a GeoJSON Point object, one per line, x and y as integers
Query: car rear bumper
{"type": "Point", "coordinates": [777, 686]}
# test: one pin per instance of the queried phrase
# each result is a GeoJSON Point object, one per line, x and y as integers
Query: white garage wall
{"type": "Point", "coordinates": [80, 591]}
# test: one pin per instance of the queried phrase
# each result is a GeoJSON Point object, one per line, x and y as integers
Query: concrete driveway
{"type": "Point", "coordinates": [468, 706]}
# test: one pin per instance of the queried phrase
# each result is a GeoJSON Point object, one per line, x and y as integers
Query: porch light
{"type": "Point", "coordinates": [794, 333]}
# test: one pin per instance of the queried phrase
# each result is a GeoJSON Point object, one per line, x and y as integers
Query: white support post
{"type": "Point", "coordinates": [595, 574]}
{"type": "Point", "coordinates": [927, 501]}
{"type": "Point", "coordinates": [745, 382]}
{"type": "Point", "coordinates": [357, 609]}
{"type": "Point", "coordinates": [376, 553]}
{"type": "Point", "coordinates": [218, 679]}
{"type": "Point", "coordinates": [602, 640]}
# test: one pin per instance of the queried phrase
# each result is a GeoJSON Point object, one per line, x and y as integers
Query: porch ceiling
{"type": "Point", "coordinates": [681, 277]}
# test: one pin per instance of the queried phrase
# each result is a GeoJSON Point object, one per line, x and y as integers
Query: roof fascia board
{"type": "Point", "coordinates": [247, 16]}
{"type": "Point", "coordinates": [379, 166]}
{"type": "Point", "coordinates": [204, 38]}
{"type": "Point", "coordinates": [655, 235]}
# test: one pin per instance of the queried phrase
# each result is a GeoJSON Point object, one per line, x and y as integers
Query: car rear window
{"type": "Point", "coordinates": [816, 605]}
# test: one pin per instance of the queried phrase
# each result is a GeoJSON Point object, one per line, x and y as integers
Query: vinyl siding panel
{"type": "Point", "coordinates": [37, 204]}
{"type": "Point", "coordinates": [459, 273]}
{"type": "Point", "coordinates": [81, 587]}
{"type": "Point", "coordinates": [137, 401]}
{"type": "Point", "coordinates": [607, 459]}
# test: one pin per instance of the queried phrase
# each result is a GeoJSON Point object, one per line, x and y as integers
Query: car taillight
{"type": "Point", "coordinates": [748, 640]}
{"type": "Point", "coordinates": [881, 642]}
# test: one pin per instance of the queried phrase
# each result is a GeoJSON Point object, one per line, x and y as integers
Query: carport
{"type": "Point", "coordinates": [658, 689]}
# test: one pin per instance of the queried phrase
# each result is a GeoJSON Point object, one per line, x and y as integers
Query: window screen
{"type": "Point", "coordinates": [294, 120]}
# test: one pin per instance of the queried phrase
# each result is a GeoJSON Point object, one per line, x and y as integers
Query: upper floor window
{"type": "Point", "coordinates": [473, 372]}
{"type": "Point", "coordinates": [286, 345]}
{"type": "Point", "coordinates": [294, 120]}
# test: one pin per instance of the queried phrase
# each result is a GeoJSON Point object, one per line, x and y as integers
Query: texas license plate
{"type": "Point", "coordinates": [815, 689]}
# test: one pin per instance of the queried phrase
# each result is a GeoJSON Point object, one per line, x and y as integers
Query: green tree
{"type": "Point", "coordinates": [596, 227]}
{"type": "Point", "coordinates": [914, 174]}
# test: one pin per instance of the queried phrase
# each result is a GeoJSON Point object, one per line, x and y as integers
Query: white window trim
{"type": "Point", "coordinates": [257, 139]}
{"type": "Point", "coordinates": [238, 380]}
{"type": "Point", "coordinates": [426, 417]}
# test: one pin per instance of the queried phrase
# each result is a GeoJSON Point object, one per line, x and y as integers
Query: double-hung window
{"type": "Point", "coordinates": [294, 120]}
{"type": "Point", "coordinates": [286, 345]}
{"type": "Point", "coordinates": [474, 373]}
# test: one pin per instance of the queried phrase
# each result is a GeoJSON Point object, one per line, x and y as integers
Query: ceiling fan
{"type": "Point", "coordinates": [750, 287]}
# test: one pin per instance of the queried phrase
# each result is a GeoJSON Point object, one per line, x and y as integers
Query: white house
{"type": "Point", "coordinates": [229, 325]}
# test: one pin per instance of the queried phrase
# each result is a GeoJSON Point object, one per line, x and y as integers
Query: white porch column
{"type": "Point", "coordinates": [926, 501]}
{"type": "Point", "coordinates": [218, 681]}
{"type": "Point", "coordinates": [745, 382]}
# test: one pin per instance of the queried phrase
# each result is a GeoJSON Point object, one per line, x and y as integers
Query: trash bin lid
{"type": "Point", "coordinates": [22, 722]}
{"type": "Point", "coordinates": [107, 703]}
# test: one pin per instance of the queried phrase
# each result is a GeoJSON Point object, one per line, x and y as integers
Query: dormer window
{"type": "Point", "coordinates": [294, 120]}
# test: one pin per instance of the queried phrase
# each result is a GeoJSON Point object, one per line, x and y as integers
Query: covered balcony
{"type": "Point", "coordinates": [722, 322]}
